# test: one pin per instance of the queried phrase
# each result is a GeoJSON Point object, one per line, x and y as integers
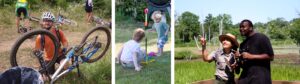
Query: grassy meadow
{"type": "Point", "coordinates": [284, 67]}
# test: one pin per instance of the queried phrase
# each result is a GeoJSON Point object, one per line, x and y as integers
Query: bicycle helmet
{"type": "Point", "coordinates": [48, 16]}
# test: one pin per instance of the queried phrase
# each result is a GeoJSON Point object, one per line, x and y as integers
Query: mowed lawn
{"type": "Point", "coordinates": [158, 72]}
{"type": "Point", "coordinates": [284, 67]}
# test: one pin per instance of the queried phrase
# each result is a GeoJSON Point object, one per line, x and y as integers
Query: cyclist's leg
{"type": "Point", "coordinates": [89, 11]}
{"type": "Point", "coordinates": [18, 14]}
{"type": "Point", "coordinates": [61, 59]}
{"type": "Point", "coordinates": [91, 15]}
{"type": "Point", "coordinates": [26, 17]}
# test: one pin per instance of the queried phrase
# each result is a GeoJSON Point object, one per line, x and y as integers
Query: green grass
{"type": "Point", "coordinates": [192, 71]}
{"type": "Point", "coordinates": [185, 55]}
{"type": "Point", "coordinates": [94, 73]}
{"type": "Point", "coordinates": [284, 67]}
{"type": "Point", "coordinates": [158, 72]}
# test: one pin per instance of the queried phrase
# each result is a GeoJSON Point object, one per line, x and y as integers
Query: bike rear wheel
{"type": "Point", "coordinates": [98, 37]}
{"type": "Point", "coordinates": [24, 51]}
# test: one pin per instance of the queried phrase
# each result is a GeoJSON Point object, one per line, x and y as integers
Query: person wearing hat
{"type": "Point", "coordinates": [224, 58]}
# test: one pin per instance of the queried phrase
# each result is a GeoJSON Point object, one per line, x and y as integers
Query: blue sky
{"type": "Point", "coordinates": [255, 10]}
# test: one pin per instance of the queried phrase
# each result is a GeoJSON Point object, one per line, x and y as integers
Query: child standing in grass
{"type": "Point", "coordinates": [131, 54]}
{"type": "Point", "coordinates": [162, 29]}
{"type": "Point", "coordinates": [224, 58]}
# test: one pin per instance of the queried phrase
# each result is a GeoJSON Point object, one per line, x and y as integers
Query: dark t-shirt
{"type": "Point", "coordinates": [256, 71]}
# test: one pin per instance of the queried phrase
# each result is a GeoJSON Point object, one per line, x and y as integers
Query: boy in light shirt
{"type": "Point", "coordinates": [131, 54]}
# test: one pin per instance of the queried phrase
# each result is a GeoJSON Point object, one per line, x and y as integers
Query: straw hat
{"type": "Point", "coordinates": [231, 37]}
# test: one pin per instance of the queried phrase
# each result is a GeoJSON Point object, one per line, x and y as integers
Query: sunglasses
{"type": "Point", "coordinates": [47, 20]}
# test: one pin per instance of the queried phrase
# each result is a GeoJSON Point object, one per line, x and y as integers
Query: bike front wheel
{"type": "Point", "coordinates": [25, 52]}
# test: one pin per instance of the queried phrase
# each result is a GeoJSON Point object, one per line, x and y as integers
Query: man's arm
{"type": "Point", "coordinates": [247, 55]}
{"type": "Point", "coordinates": [205, 57]}
{"type": "Point", "coordinates": [64, 40]}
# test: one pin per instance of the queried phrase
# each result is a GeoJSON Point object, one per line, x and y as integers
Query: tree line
{"type": "Point", "coordinates": [187, 26]}
{"type": "Point", "coordinates": [103, 6]}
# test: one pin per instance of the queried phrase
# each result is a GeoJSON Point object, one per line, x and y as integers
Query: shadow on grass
{"type": "Point", "coordinates": [158, 72]}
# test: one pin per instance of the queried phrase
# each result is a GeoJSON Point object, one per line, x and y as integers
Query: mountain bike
{"type": "Point", "coordinates": [23, 29]}
{"type": "Point", "coordinates": [63, 20]}
{"type": "Point", "coordinates": [92, 47]}
{"type": "Point", "coordinates": [101, 22]}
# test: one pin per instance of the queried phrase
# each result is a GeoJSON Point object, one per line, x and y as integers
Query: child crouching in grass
{"type": "Point", "coordinates": [224, 58]}
{"type": "Point", "coordinates": [162, 29]}
{"type": "Point", "coordinates": [131, 54]}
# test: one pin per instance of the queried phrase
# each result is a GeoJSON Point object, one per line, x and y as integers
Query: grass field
{"type": "Point", "coordinates": [158, 72]}
{"type": "Point", "coordinates": [95, 73]}
{"type": "Point", "coordinates": [284, 67]}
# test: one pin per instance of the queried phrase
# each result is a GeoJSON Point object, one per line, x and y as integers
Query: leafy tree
{"type": "Point", "coordinates": [132, 8]}
{"type": "Point", "coordinates": [295, 30]}
{"type": "Point", "coordinates": [278, 29]}
{"type": "Point", "coordinates": [188, 26]}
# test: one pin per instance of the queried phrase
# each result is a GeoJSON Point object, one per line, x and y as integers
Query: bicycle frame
{"type": "Point", "coordinates": [75, 52]}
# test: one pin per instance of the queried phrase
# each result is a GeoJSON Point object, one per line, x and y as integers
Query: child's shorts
{"type": "Point", "coordinates": [161, 42]}
{"type": "Point", "coordinates": [128, 64]}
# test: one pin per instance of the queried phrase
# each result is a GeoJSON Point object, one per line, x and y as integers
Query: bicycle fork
{"type": "Point", "coordinates": [39, 55]}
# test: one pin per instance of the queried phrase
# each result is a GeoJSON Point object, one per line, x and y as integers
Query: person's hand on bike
{"type": "Point", "coordinates": [64, 50]}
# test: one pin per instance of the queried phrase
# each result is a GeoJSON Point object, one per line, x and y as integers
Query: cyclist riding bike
{"type": "Point", "coordinates": [22, 6]}
{"type": "Point", "coordinates": [45, 44]}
